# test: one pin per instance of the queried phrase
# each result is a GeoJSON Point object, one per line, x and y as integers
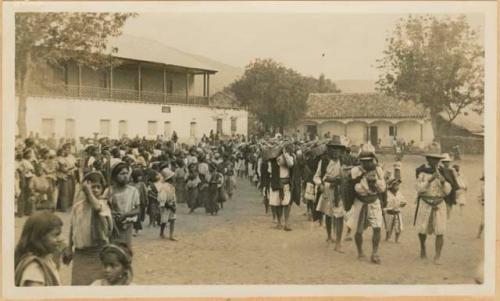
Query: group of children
{"type": "Point", "coordinates": [122, 183]}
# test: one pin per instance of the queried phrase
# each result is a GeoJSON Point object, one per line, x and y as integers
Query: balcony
{"type": "Point", "coordinates": [123, 95]}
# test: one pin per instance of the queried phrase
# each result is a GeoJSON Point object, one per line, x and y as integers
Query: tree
{"type": "Point", "coordinates": [437, 62]}
{"type": "Point", "coordinates": [276, 94]}
{"type": "Point", "coordinates": [52, 38]}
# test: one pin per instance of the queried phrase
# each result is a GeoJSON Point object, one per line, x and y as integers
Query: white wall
{"type": "Point", "coordinates": [356, 131]}
{"type": "Point", "coordinates": [334, 127]}
{"type": "Point", "coordinates": [88, 113]}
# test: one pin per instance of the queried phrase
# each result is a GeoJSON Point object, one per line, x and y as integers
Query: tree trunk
{"type": "Point", "coordinates": [434, 123]}
{"type": "Point", "coordinates": [25, 78]}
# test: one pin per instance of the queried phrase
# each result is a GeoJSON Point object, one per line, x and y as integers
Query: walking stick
{"type": "Point", "coordinates": [416, 211]}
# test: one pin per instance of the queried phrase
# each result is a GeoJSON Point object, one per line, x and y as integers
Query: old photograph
{"type": "Point", "coordinates": [265, 144]}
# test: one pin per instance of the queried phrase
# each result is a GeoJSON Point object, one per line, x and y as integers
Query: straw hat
{"type": "Point", "coordinates": [167, 173]}
{"type": "Point", "coordinates": [446, 158]}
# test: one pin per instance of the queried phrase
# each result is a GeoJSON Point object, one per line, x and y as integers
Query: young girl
{"type": "Point", "coordinates": [138, 183]}
{"type": "Point", "coordinates": [395, 201]}
{"type": "Point", "coordinates": [116, 260]}
{"type": "Point", "coordinates": [166, 198]}
{"type": "Point", "coordinates": [124, 202]}
{"type": "Point", "coordinates": [91, 228]}
{"type": "Point", "coordinates": [36, 249]}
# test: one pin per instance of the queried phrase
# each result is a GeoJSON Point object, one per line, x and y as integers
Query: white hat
{"type": "Point", "coordinates": [446, 158]}
{"type": "Point", "coordinates": [167, 173]}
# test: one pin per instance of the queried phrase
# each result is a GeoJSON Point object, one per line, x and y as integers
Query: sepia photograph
{"type": "Point", "coordinates": [220, 149]}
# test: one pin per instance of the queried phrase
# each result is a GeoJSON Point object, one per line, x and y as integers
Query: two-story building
{"type": "Point", "coordinates": [152, 92]}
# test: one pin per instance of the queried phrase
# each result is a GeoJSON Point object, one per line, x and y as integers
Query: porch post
{"type": "Point", "coordinates": [164, 84]}
{"type": "Point", "coordinates": [345, 129]}
{"type": "Point", "coordinates": [187, 87]}
{"type": "Point", "coordinates": [79, 80]}
{"type": "Point", "coordinates": [208, 85]}
{"type": "Point", "coordinates": [421, 132]}
{"type": "Point", "coordinates": [111, 82]}
{"type": "Point", "coordinates": [139, 79]}
{"type": "Point", "coordinates": [204, 84]}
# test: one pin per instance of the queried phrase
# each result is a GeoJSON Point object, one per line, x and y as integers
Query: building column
{"type": "Point", "coordinates": [79, 80]}
{"type": "Point", "coordinates": [204, 84]}
{"type": "Point", "coordinates": [421, 132]}
{"type": "Point", "coordinates": [164, 84]}
{"type": "Point", "coordinates": [139, 79]}
{"type": "Point", "coordinates": [111, 82]}
{"type": "Point", "coordinates": [187, 87]}
{"type": "Point", "coordinates": [208, 85]}
{"type": "Point", "coordinates": [345, 129]}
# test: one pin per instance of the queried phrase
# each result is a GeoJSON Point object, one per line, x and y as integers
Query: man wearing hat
{"type": "Point", "coordinates": [431, 212]}
{"type": "Point", "coordinates": [366, 211]}
{"type": "Point", "coordinates": [451, 177]}
{"type": "Point", "coordinates": [280, 193]}
{"type": "Point", "coordinates": [328, 178]}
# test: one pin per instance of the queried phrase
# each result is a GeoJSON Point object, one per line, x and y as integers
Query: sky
{"type": "Point", "coordinates": [341, 46]}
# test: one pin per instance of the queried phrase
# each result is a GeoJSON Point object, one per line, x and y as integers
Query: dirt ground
{"type": "Point", "coordinates": [240, 245]}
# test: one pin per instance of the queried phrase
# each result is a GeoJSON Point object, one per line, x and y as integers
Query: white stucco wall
{"type": "Point", "coordinates": [356, 131]}
{"type": "Point", "coordinates": [334, 127]}
{"type": "Point", "coordinates": [87, 116]}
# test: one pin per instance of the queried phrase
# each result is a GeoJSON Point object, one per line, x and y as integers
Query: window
{"type": "Point", "coordinates": [70, 128]}
{"type": "Point", "coordinates": [122, 128]}
{"type": "Point", "coordinates": [192, 129]}
{"type": "Point", "coordinates": [166, 129]}
{"type": "Point", "coordinates": [152, 128]}
{"type": "Point", "coordinates": [392, 131]}
{"type": "Point", "coordinates": [219, 126]}
{"type": "Point", "coordinates": [233, 125]}
{"type": "Point", "coordinates": [104, 127]}
{"type": "Point", "coordinates": [48, 125]}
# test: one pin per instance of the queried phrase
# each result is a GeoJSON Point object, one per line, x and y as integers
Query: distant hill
{"type": "Point", "coordinates": [355, 85]}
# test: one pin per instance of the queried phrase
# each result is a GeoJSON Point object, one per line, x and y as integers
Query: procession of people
{"type": "Point", "coordinates": [112, 189]}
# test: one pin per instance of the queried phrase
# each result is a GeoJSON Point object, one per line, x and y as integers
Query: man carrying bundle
{"type": "Point", "coordinates": [366, 211]}
{"type": "Point", "coordinates": [328, 177]}
{"type": "Point", "coordinates": [280, 169]}
{"type": "Point", "coordinates": [431, 215]}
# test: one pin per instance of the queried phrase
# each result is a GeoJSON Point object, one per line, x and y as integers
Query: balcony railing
{"type": "Point", "coordinates": [74, 91]}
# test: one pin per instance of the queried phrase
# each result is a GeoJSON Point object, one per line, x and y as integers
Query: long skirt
{"type": "Point", "coordinates": [124, 235]}
{"type": "Point", "coordinates": [154, 212]}
{"type": "Point", "coordinates": [211, 205]}
{"type": "Point", "coordinates": [24, 205]}
{"type": "Point", "coordinates": [71, 189]}
{"type": "Point", "coordinates": [86, 266]}
{"type": "Point", "coordinates": [63, 201]}
{"type": "Point", "coordinates": [230, 184]}
{"type": "Point", "coordinates": [180, 191]}
{"type": "Point", "coordinates": [193, 198]}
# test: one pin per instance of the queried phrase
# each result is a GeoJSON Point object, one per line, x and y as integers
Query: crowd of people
{"type": "Point", "coordinates": [112, 187]}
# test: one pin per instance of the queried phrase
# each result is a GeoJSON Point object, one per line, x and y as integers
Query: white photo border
{"type": "Point", "coordinates": [487, 8]}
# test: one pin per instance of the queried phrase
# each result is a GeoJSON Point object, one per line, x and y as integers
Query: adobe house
{"type": "Point", "coordinates": [364, 117]}
{"type": "Point", "coordinates": [154, 91]}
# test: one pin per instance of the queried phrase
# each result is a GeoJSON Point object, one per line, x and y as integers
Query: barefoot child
{"type": "Point", "coordinates": [116, 260]}
{"type": "Point", "coordinates": [395, 201]}
{"type": "Point", "coordinates": [35, 251]}
{"type": "Point", "coordinates": [167, 200]}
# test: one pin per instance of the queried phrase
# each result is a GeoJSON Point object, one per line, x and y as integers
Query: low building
{"type": "Point", "coordinates": [366, 117]}
{"type": "Point", "coordinates": [154, 91]}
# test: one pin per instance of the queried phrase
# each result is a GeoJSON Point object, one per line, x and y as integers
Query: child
{"type": "Point", "coordinates": [481, 202]}
{"type": "Point", "coordinates": [40, 190]}
{"type": "Point", "coordinates": [395, 201]}
{"type": "Point", "coordinates": [397, 168]}
{"type": "Point", "coordinates": [36, 249]}
{"type": "Point", "coordinates": [116, 260]}
{"type": "Point", "coordinates": [91, 229]}
{"type": "Point", "coordinates": [462, 188]}
{"type": "Point", "coordinates": [137, 182]}
{"type": "Point", "coordinates": [167, 200]}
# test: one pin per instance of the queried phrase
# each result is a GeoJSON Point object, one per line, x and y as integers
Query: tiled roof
{"type": "Point", "coordinates": [361, 105]}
